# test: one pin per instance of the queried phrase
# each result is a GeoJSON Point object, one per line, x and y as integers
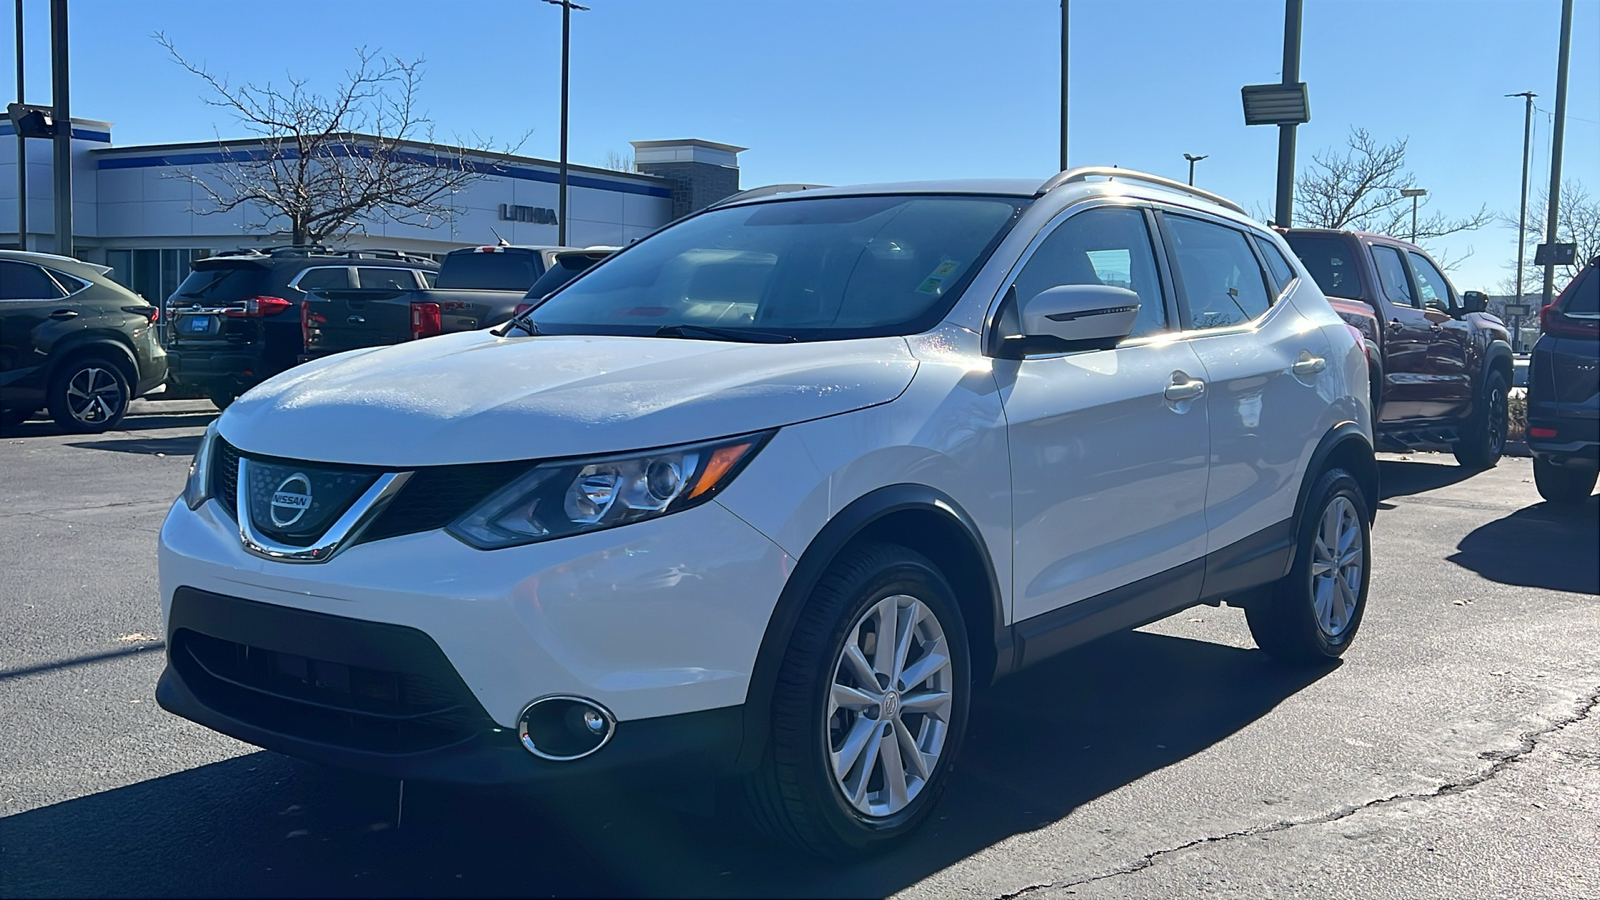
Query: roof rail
{"type": "Point", "coordinates": [1084, 173]}
{"type": "Point", "coordinates": [765, 191]}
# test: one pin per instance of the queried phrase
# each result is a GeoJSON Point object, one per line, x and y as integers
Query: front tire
{"type": "Point", "coordinates": [869, 708]}
{"type": "Point", "coordinates": [1563, 485]}
{"type": "Point", "coordinates": [1484, 438]}
{"type": "Point", "coordinates": [221, 398]}
{"type": "Point", "coordinates": [89, 395]}
{"type": "Point", "coordinates": [1312, 614]}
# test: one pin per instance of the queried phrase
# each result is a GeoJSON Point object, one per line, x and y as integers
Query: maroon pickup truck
{"type": "Point", "coordinates": [1440, 364]}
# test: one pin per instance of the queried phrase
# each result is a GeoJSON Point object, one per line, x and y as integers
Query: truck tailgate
{"type": "Point", "coordinates": [339, 320]}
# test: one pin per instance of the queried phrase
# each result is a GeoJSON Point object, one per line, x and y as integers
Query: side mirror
{"type": "Point", "coordinates": [1075, 317]}
{"type": "Point", "coordinates": [1474, 301]}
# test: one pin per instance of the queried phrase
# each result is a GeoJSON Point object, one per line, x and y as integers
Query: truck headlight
{"type": "Point", "coordinates": [567, 497]}
{"type": "Point", "coordinates": [197, 489]}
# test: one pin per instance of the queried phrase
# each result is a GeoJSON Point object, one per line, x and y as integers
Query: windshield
{"type": "Point", "coordinates": [810, 269]}
{"type": "Point", "coordinates": [474, 270]}
{"type": "Point", "coordinates": [223, 283]}
{"type": "Point", "coordinates": [568, 266]}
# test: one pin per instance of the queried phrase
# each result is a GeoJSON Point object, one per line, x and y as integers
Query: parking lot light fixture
{"type": "Point", "coordinates": [1413, 193]}
{"type": "Point", "coordinates": [1192, 160]}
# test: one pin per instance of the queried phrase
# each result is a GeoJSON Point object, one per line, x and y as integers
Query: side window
{"type": "Point", "coordinates": [1392, 272]}
{"type": "Point", "coordinates": [1282, 273]}
{"type": "Point", "coordinates": [1431, 285]}
{"type": "Point", "coordinates": [1328, 260]}
{"type": "Point", "coordinates": [23, 281]}
{"type": "Point", "coordinates": [429, 276]}
{"type": "Point", "coordinates": [386, 279]}
{"type": "Point", "coordinates": [323, 279]}
{"type": "Point", "coordinates": [1100, 246]}
{"type": "Point", "coordinates": [1221, 277]}
{"type": "Point", "coordinates": [1583, 298]}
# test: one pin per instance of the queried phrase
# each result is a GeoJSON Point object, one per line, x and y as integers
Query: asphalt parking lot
{"type": "Point", "coordinates": [1455, 752]}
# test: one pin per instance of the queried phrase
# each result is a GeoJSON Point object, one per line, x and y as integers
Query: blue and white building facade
{"type": "Point", "coordinates": [134, 209]}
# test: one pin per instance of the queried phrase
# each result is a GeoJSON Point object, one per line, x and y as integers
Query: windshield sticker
{"type": "Point", "coordinates": [937, 277]}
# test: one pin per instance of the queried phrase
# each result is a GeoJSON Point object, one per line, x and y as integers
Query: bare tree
{"type": "Point", "coordinates": [327, 163]}
{"type": "Point", "coordinates": [1577, 221]}
{"type": "Point", "coordinates": [619, 162]}
{"type": "Point", "coordinates": [1358, 187]}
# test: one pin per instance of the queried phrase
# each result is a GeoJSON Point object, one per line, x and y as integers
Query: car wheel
{"type": "Point", "coordinates": [1563, 485]}
{"type": "Point", "coordinates": [221, 398]}
{"type": "Point", "coordinates": [1312, 614]}
{"type": "Point", "coordinates": [89, 395]}
{"type": "Point", "coordinates": [1484, 438]}
{"type": "Point", "coordinates": [869, 707]}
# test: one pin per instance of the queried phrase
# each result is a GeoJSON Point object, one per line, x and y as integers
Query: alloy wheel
{"type": "Point", "coordinates": [1337, 563]}
{"type": "Point", "coordinates": [888, 712]}
{"type": "Point", "coordinates": [1497, 419]}
{"type": "Point", "coordinates": [94, 395]}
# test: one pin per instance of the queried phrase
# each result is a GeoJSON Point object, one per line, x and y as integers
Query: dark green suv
{"type": "Point", "coordinates": [72, 341]}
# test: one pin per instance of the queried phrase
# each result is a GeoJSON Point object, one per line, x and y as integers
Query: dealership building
{"type": "Point", "coordinates": [135, 209]}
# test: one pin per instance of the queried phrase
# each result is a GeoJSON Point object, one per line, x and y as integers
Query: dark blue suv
{"type": "Point", "coordinates": [1564, 393]}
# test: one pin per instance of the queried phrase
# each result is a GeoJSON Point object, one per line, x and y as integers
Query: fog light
{"type": "Point", "coordinates": [564, 728]}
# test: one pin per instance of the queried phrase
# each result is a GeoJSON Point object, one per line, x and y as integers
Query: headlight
{"type": "Point", "coordinates": [557, 499]}
{"type": "Point", "coordinates": [198, 488]}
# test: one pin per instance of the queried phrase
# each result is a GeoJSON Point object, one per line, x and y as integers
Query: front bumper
{"type": "Point", "coordinates": [650, 620]}
{"type": "Point", "coordinates": [383, 699]}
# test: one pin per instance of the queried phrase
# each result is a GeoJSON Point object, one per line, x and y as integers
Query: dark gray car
{"type": "Point", "coordinates": [1564, 393]}
{"type": "Point", "coordinates": [72, 341]}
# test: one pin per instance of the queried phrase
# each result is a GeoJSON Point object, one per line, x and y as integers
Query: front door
{"type": "Point", "coordinates": [28, 297]}
{"type": "Point", "coordinates": [1414, 393]}
{"type": "Point", "coordinates": [1108, 448]}
{"type": "Point", "coordinates": [1451, 338]}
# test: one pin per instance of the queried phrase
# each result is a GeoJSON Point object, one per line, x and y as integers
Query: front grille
{"type": "Point", "coordinates": [438, 495]}
{"type": "Point", "coordinates": [434, 497]}
{"type": "Point", "coordinates": [334, 703]}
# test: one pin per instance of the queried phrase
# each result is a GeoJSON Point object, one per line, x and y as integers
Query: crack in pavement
{"type": "Point", "coordinates": [1502, 760]}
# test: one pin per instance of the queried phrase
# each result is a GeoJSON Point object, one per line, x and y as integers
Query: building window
{"type": "Point", "coordinates": [153, 274]}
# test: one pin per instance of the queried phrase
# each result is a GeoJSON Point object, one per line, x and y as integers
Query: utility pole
{"type": "Point", "coordinates": [22, 146]}
{"type": "Point", "coordinates": [1556, 137]}
{"type": "Point", "coordinates": [1064, 17]}
{"type": "Point", "coordinates": [62, 114]}
{"type": "Point", "coordinates": [1291, 75]}
{"type": "Point", "coordinates": [1192, 160]}
{"type": "Point", "coordinates": [567, 6]}
{"type": "Point", "coordinates": [1522, 214]}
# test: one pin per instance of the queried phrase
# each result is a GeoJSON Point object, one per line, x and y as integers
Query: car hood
{"type": "Point", "coordinates": [475, 397]}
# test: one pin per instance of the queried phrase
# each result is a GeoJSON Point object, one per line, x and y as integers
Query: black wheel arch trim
{"type": "Point", "coordinates": [75, 347]}
{"type": "Point", "coordinates": [844, 527]}
{"type": "Point", "coordinates": [1339, 436]}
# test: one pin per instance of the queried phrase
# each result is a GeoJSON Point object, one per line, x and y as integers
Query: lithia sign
{"type": "Point", "coordinates": [538, 215]}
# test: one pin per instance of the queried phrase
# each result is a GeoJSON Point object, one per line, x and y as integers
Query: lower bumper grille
{"type": "Point", "coordinates": [340, 682]}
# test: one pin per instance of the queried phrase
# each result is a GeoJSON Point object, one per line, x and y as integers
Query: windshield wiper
{"type": "Point", "coordinates": [522, 320]}
{"type": "Point", "coordinates": [725, 334]}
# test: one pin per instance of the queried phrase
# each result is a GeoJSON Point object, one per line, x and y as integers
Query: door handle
{"type": "Point", "coordinates": [1308, 365]}
{"type": "Point", "coordinates": [1436, 328]}
{"type": "Point", "coordinates": [1179, 391]}
{"type": "Point", "coordinates": [62, 315]}
{"type": "Point", "coordinates": [1395, 325]}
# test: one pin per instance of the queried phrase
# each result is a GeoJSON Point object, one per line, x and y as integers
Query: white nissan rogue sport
{"type": "Point", "coordinates": [769, 494]}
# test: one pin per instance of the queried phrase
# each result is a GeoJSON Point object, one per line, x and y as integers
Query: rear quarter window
{"type": "Point", "coordinates": [1584, 297]}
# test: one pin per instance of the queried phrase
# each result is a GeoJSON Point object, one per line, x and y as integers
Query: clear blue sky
{"type": "Point", "coordinates": [848, 91]}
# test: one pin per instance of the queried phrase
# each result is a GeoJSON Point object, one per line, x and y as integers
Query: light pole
{"type": "Point", "coordinates": [1522, 214]}
{"type": "Point", "coordinates": [1192, 160]}
{"type": "Point", "coordinates": [1064, 17]}
{"type": "Point", "coordinates": [22, 148]}
{"type": "Point", "coordinates": [567, 6]}
{"type": "Point", "coordinates": [1413, 193]}
{"type": "Point", "coordinates": [1557, 136]}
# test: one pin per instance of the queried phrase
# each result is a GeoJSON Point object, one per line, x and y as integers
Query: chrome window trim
{"type": "Point", "coordinates": [340, 535]}
{"type": "Point", "coordinates": [57, 277]}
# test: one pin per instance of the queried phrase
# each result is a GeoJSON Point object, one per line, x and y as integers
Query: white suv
{"type": "Point", "coordinates": [769, 494]}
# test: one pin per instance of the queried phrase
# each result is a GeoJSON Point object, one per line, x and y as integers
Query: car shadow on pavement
{"type": "Point", "coordinates": [1541, 546]}
{"type": "Point", "coordinates": [1404, 477]}
{"type": "Point", "coordinates": [1041, 745]}
{"type": "Point", "coordinates": [48, 428]}
{"type": "Point", "coordinates": [171, 446]}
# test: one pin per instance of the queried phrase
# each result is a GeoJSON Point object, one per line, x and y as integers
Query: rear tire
{"type": "Point", "coordinates": [1484, 438]}
{"type": "Point", "coordinates": [895, 734]}
{"type": "Point", "coordinates": [1313, 613]}
{"type": "Point", "coordinates": [1563, 485]}
{"type": "Point", "coordinates": [89, 395]}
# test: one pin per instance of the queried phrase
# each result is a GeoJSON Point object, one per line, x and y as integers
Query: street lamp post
{"type": "Point", "coordinates": [1413, 193]}
{"type": "Point", "coordinates": [567, 6]}
{"type": "Point", "coordinates": [22, 148]}
{"type": "Point", "coordinates": [1192, 160]}
{"type": "Point", "coordinates": [1522, 213]}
